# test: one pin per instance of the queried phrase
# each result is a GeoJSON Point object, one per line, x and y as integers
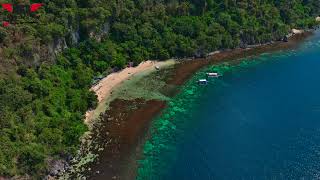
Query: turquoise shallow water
{"type": "Point", "coordinates": [261, 120]}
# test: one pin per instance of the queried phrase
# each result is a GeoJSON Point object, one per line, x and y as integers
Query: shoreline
{"type": "Point", "coordinates": [94, 140]}
{"type": "Point", "coordinates": [104, 88]}
{"type": "Point", "coordinates": [127, 128]}
{"type": "Point", "coordinates": [186, 69]}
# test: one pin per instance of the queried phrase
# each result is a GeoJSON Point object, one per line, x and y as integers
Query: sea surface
{"type": "Point", "coordinates": [260, 120]}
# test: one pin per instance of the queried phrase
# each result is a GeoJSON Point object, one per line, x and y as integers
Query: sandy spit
{"type": "Point", "coordinates": [104, 88]}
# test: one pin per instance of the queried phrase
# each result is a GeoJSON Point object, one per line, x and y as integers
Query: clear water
{"type": "Point", "coordinates": [261, 120]}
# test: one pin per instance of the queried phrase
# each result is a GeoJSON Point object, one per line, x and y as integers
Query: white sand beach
{"type": "Point", "coordinates": [104, 88]}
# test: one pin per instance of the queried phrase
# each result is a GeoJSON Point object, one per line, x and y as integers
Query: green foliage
{"type": "Point", "coordinates": [42, 107]}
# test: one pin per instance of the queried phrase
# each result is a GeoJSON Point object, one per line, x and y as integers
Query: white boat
{"type": "Point", "coordinates": [214, 75]}
{"type": "Point", "coordinates": [202, 82]}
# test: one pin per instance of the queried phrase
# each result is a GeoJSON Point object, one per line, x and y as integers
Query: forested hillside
{"type": "Point", "coordinates": [47, 67]}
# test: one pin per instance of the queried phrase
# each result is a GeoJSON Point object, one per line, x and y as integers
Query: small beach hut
{"type": "Point", "coordinates": [130, 64]}
{"type": "Point", "coordinates": [202, 82]}
{"type": "Point", "coordinates": [97, 79]}
{"type": "Point", "coordinates": [100, 77]}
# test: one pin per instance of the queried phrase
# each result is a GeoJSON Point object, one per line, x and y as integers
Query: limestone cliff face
{"type": "Point", "coordinates": [50, 50]}
{"type": "Point", "coordinates": [57, 46]}
{"type": "Point", "coordinates": [98, 34]}
{"type": "Point", "coordinates": [74, 36]}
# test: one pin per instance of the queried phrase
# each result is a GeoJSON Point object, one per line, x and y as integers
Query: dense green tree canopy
{"type": "Point", "coordinates": [43, 99]}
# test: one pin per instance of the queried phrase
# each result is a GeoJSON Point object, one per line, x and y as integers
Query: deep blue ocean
{"type": "Point", "coordinates": [260, 120]}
